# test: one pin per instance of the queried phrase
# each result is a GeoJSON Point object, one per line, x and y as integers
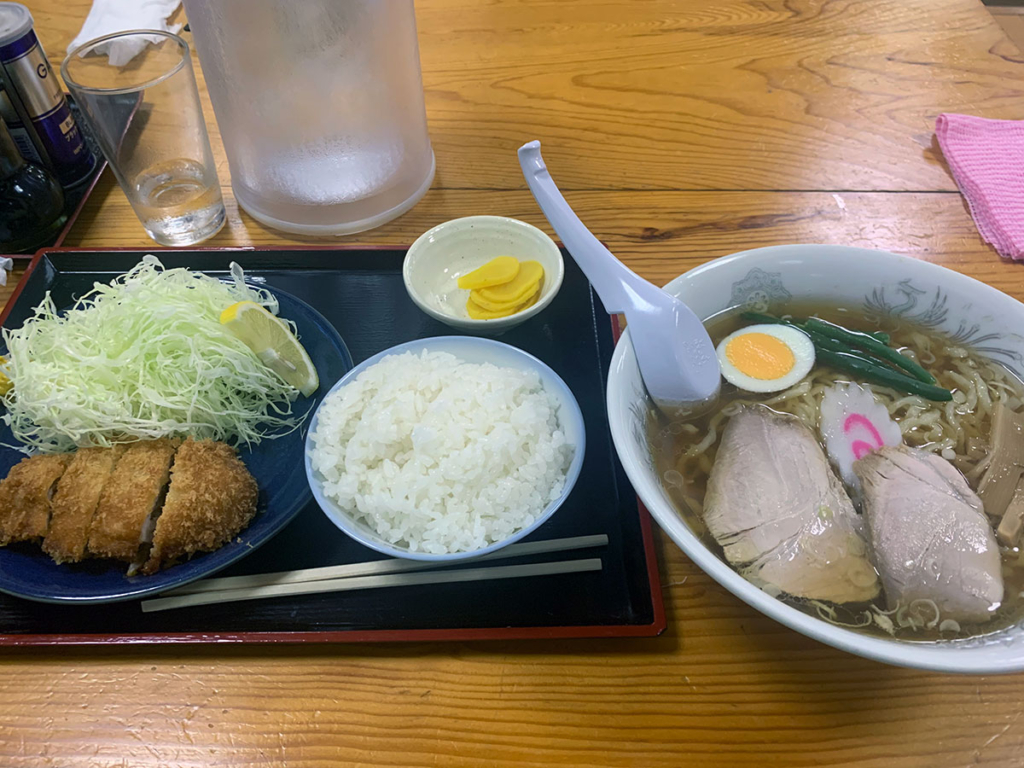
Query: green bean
{"type": "Point", "coordinates": [820, 341]}
{"type": "Point", "coordinates": [760, 317]}
{"type": "Point", "coordinates": [832, 346]}
{"type": "Point", "coordinates": [835, 353]}
{"type": "Point", "coordinates": [870, 344]}
{"type": "Point", "coordinates": [881, 374]}
{"type": "Point", "coordinates": [824, 342]}
{"type": "Point", "coordinates": [816, 338]}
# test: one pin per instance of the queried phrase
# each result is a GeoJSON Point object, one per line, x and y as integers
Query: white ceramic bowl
{"type": "Point", "coordinates": [441, 255]}
{"type": "Point", "coordinates": [473, 350]}
{"type": "Point", "coordinates": [964, 308]}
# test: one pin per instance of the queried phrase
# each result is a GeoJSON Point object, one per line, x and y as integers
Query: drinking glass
{"type": "Point", "coordinates": [146, 117]}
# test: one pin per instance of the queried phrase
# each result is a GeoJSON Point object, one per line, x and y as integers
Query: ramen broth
{"type": "Point", "coordinates": [684, 451]}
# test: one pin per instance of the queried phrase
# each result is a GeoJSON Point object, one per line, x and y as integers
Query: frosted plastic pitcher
{"type": "Point", "coordinates": [320, 104]}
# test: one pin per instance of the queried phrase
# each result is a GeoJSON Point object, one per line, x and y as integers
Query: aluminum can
{"type": "Point", "coordinates": [35, 101]}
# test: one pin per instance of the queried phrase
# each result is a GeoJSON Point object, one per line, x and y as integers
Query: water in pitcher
{"type": "Point", "coordinates": [178, 201]}
{"type": "Point", "coordinates": [320, 105]}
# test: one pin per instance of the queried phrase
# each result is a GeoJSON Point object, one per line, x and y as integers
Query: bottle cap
{"type": "Point", "coordinates": [15, 21]}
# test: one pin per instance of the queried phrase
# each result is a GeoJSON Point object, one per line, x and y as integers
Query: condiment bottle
{"type": "Point", "coordinates": [41, 111]}
{"type": "Point", "coordinates": [31, 200]}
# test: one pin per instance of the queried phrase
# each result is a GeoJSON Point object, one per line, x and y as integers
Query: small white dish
{"type": "Point", "coordinates": [441, 255]}
{"type": "Point", "coordinates": [472, 350]}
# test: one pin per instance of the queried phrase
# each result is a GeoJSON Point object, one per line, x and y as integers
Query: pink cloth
{"type": "Point", "coordinates": [987, 161]}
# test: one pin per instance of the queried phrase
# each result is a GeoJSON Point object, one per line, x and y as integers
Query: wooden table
{"type": "Point", "coordinates": [680, 131]}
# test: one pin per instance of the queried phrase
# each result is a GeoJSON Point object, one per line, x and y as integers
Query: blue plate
{"type": "Point", "coordinates": [276, 464]}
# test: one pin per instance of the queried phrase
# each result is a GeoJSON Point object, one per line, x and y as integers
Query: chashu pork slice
{"type": "Point", "coordinates": [780, 513]}
{"type": "Point", "coordinates": [930, 535]}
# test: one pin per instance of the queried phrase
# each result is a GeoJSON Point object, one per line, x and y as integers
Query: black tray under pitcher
{"type": "Point", "coordinates": [361, 292]}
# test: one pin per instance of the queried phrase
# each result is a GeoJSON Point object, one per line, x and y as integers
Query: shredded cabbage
{"type": "Point", "coordinates": [143, 357]}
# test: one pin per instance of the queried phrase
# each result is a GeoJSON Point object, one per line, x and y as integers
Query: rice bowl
{"type": "Point", "coordinates": [442, 449]}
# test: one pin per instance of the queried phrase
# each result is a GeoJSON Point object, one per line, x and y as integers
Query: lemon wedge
{"type": "Point", "coordinates": [272, 341]}
{"type": "Point", "coordinates": [6, 385]}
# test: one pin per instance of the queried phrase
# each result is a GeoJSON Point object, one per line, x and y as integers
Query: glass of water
{"type": "Point", "coordinates": [146, 116]}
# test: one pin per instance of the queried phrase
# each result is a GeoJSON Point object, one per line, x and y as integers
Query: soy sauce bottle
{"type": "Point", "coordinates": [31, 200]}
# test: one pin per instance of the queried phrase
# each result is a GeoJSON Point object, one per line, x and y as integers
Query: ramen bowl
{"type": "Point", "coordinates": [972, 313]}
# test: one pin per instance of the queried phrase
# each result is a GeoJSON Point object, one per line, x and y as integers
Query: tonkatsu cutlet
{"type": "Point", "coordinates": [127, 503]}
{"type": "Point", "coordinates": [25, 497]}
{"type": "Point", "coordinates": [133, 492]}
{"type": "Point", "coordinates": [76, 500]}
{"type": "Point", "coordinates": [211, 498]}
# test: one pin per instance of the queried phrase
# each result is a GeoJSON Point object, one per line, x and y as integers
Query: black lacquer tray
{"type": "Point", "coordinates": [360, 290]}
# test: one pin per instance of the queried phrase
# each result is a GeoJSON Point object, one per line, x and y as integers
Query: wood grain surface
{"type": "Point", "coordinates": [681, 131]}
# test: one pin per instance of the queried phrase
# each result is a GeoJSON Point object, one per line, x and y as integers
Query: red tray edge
{"type": "Point", "coordinates": [347, 636]}
{"type": "Point", "coordinates": [655, 628]}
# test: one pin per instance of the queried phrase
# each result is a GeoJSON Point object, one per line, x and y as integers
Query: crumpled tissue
{"type": "Point", "coordinates": [109, 16]}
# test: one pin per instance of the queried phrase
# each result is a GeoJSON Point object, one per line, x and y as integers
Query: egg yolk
{"type": "Point", "coordinates": [760, 356]}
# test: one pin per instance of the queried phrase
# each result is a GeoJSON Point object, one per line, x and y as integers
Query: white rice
{"type": "Point", "coordinates": [437, 455]}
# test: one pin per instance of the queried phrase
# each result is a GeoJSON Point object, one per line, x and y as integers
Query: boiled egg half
{"type": "Point", "coordinates": [766, 358]}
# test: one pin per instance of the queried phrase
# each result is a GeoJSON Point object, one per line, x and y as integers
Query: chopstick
{"type": "Point", "coordinates": [379, 567]}
{"type": "Point", "coordinates": [374, 582]}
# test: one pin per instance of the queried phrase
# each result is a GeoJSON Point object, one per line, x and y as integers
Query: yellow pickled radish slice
{"type": "Point", "coordinates": [530, 302]}
{"type": "Point", "coordinates": [480, 313]}
{"type": "Point", "coordinates": [495, 272]}
{"type": "Point", "coordinates": [501, 306]}
{"type": "Point", "coordinates": [476, 312]}
{"type": "Point", "coordinates": [519, 288]}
